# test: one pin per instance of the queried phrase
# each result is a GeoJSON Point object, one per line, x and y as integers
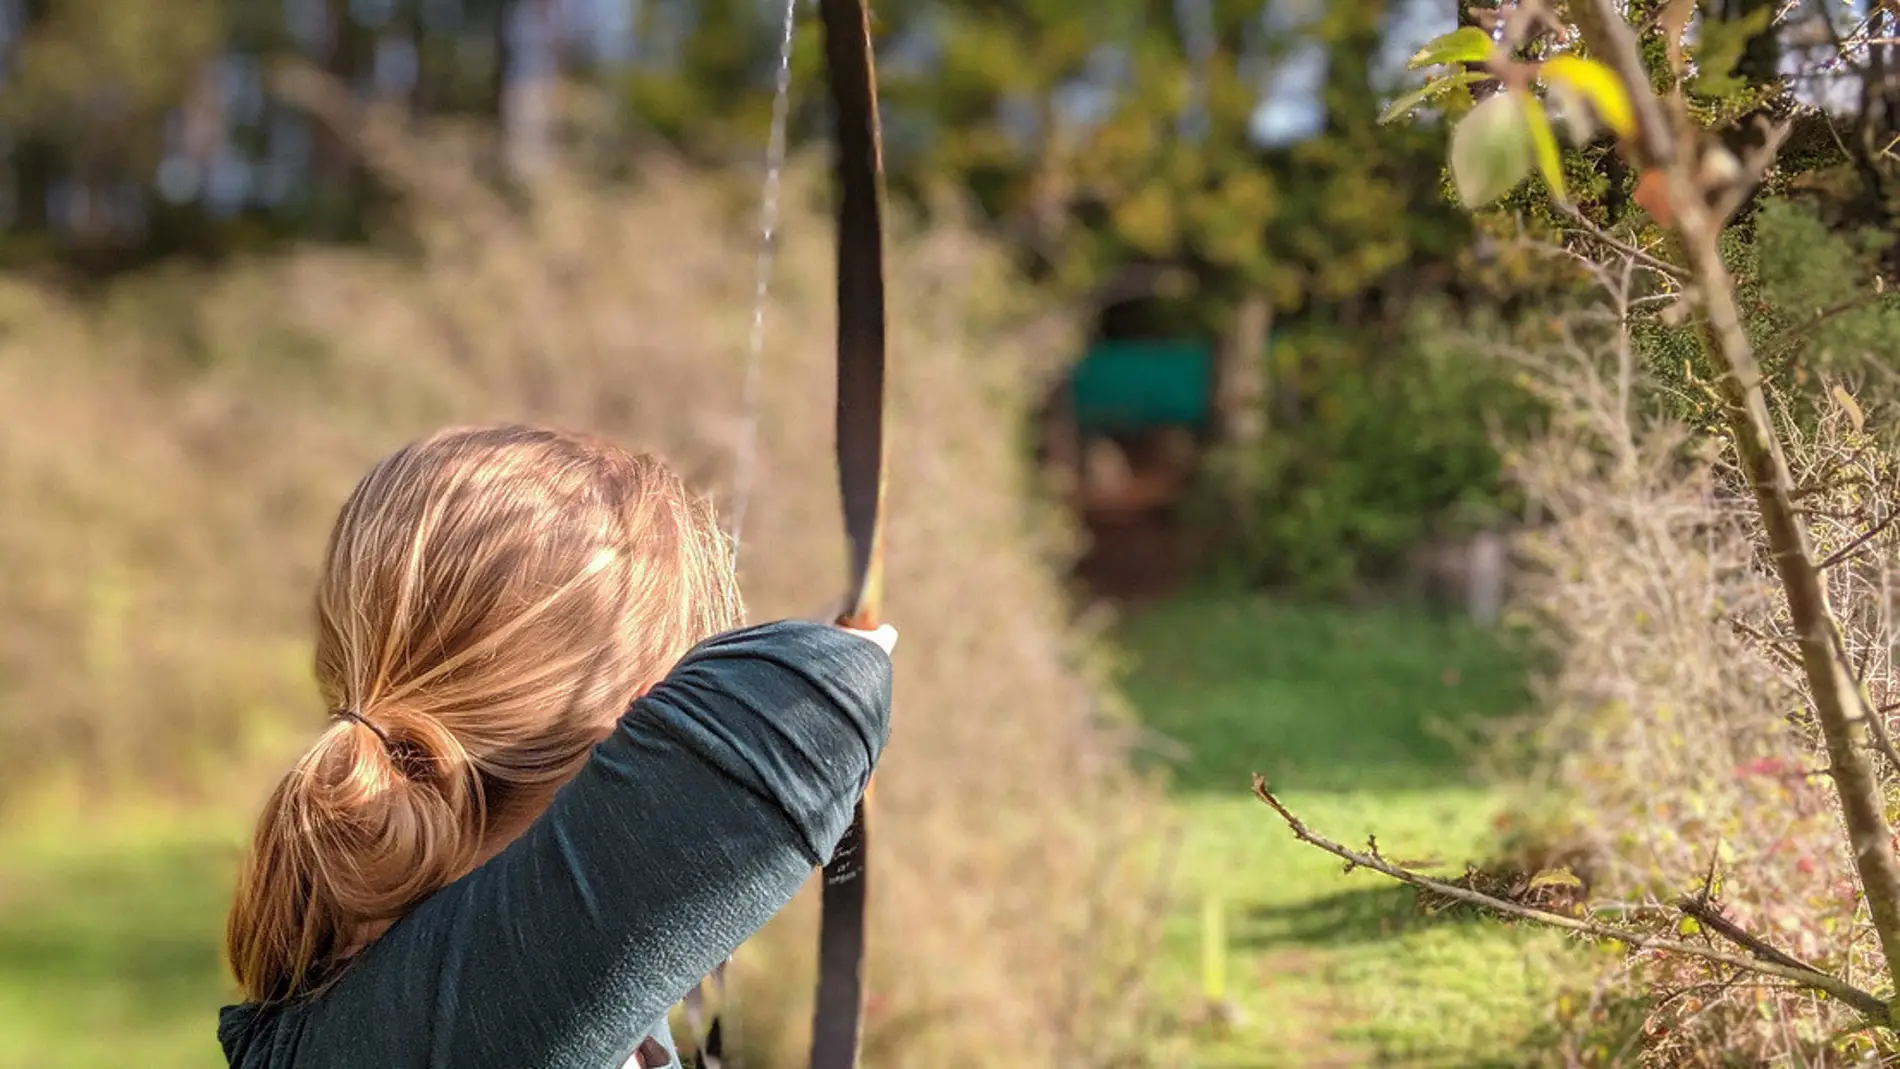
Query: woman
{"type": "Point", "coordinates": [549, 799]}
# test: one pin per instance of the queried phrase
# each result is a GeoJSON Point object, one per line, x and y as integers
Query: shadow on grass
{"type": "Point", "coordinates": [1315, 698]}
{"type": "Point", "coordinates": [1362, 915]}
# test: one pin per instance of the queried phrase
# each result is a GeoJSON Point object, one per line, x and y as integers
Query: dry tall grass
{"type": "Point", "coordinates": [170, 459]}
{"type": "Point", "coordinates": [1675, 737]}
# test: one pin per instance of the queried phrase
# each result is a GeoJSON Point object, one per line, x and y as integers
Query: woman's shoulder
{"type": "Point", "coordinates": [239, 1027]}
{"type": "Point", "coordinates": [790, 642]}
{"type": "Point", "coordinates": [773, 633]}
{"type": "Point", "coordinates": [785, 668]}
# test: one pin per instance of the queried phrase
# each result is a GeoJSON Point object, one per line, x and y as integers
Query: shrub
{"type": "Point", "coordinates": [1394, 444]}
{"type": "Point", "coordinates": [1675, 740]}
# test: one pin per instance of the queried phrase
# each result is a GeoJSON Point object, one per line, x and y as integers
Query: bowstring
{"type": "Point", "coordinates": [745, 459]}
{"type": "Point", "coordinates": [746, 455]}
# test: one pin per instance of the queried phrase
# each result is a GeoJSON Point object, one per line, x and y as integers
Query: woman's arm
{"type": "Point", "coordinates": [689, 827]}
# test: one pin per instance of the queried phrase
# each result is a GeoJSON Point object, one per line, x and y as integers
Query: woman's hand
{"type": "Point", "coordinates": [885, 636]}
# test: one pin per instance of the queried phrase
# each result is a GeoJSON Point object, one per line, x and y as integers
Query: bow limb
{"type": "Point", "coordinates": [859, 183]}
{"type": "Point", "coordinates": [837, 1019]}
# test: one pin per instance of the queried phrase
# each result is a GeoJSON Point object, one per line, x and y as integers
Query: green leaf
{"type": "Point", "coordinates": [1467, 44]}
{"type": "Point", "coordinates": [1597, 84]}
{"type": "Point", "coordinates": [1718, 48]}
{"type": "Point", "coordinates": [1437, 86]}
{"type": "Point", "coordinates": [1491, 150]}
{"type": "Point", "coordinates": [1543, 142]}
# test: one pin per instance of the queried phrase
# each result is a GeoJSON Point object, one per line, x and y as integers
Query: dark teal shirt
{"type": "Point", "coordinates": [688, 828]}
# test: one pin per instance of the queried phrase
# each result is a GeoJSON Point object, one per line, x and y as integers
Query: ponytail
{"type": "Point", "coordinates": [491, 601]}
{"type": "Point", "coordinates": [383, 810]}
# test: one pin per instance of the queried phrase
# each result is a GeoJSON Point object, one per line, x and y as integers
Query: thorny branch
{"type": "Point", "coordinates": [1762, 958]}
{"type": "Point", "coordinates": [1839, 708]}
{"type": "Point", "coordinates": [1850, 549]}
{"type": "Point", "coordinates": [1705, 914]}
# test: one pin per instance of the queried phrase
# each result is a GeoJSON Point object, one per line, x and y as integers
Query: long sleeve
{"type": "Point", "coordinates": [690, 826]}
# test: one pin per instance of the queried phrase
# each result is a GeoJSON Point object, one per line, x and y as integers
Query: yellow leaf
{"type": "Point", "coordinates": [1851, 407]}
{"type": "Point", "coordinates": [1543, 142]}
{"type": "Point", "coordinates": [1597, 84]}
{"type": "Point", "coordinates": [1556, 878]}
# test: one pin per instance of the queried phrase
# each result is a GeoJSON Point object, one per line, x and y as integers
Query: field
{"type": "Point", "coordinates": [109, 925]}
{"type": "Point", "coordinates": [109, 941]}
{"type": "Point", "coordinates": [1345, 713]}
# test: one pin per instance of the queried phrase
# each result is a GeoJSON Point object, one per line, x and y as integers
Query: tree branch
{"type": "Point", "coordinates": [1785, 968]}
{"type": "Point", "coordinates": [1611, 41]}
{"type": "Point", "coordinates": [1706, 915]}
{"type": "Point", "coordinates": [1754, 169]}
{"type": "Point", "coordinates": [1804, 329]}
{"type": "Point", "coordinates": [1839, 710]}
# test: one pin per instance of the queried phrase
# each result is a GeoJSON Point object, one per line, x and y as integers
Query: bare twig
{"type": "Point", "coordinates": [1786, 652]}
{"type": "Point", "coordinates": [1847, 551]}
{"type": "Point", "coordinates": [1784, 338]}
{"type": "Point", "coordinates": [1754, 169]}
{"type": "Point", "coordinates": [1865, 1002]}
{"type": "Point", "coordinates": [1647, 259]}
{"type": "Point", "coordinates": [1706, 914]}
{"type": "Point", "coordinates": [1877, 725]}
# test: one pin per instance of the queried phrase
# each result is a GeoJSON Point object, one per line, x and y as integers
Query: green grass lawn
{"type": "Point", "coordinates": [109, 942]}
{"type": "Point", "coordinates": [1342, 711]}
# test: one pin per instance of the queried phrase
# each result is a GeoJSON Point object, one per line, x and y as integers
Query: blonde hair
{"type": "Point", "coordinates": [491, 600]}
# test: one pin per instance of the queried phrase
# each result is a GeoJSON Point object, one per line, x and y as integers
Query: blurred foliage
{"type": "Point", "coordinates": [1814, 307]}
{"type": "Point", "coordinates": [1114, 147]}
{"type": "Point", "coordinates": [1336, 502]}
{"type": "Point", "coordinates": [1388, 454]}
{"type": "Point", "coordinates": [1672, 727]}
{"type": "Point", "coordinates": [714, 98]}
{"type": "Point", "coordinates": [173, 450]}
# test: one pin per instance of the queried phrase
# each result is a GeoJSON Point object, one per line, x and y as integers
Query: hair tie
{"type": "Point", "coordinates": [351, 714]}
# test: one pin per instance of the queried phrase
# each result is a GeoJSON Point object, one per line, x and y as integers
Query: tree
{"type": "Point", "coordinates": [91, 84]}
{"type": "Point", "coordinates": [1692, 196]}
{"type": "Point", "coordinates": [1118, 147]}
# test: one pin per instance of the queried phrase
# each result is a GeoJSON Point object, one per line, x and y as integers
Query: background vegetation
{"type": "Point", "coordinates": [157, 578]}
{"type": "Point", "coordinates": [250, 247]}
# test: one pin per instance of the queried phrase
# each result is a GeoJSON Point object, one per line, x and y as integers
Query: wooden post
{"type": "Point", "coordinates": [1240, 402]}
